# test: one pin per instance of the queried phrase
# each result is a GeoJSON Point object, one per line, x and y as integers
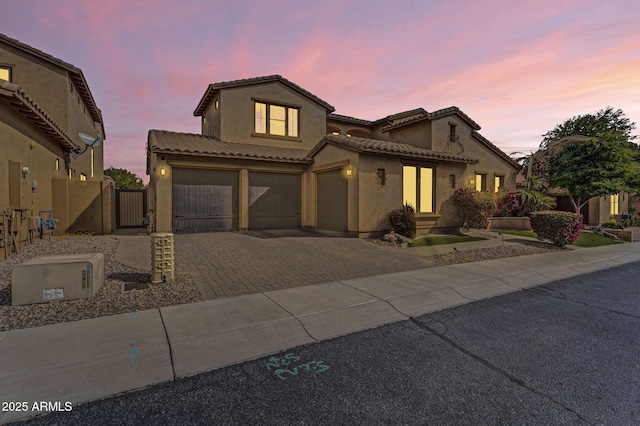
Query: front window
{"type": "Point", "coordinates": [5, 73]}
{"type": "Point", "coordinates": [498, 183]}
{"type": "Point", "coordinates": [83, 177]}
{"type": "Point", "coordinates": [613, 204]}
{"type": "Point", "coordinates": [276, 120]}
{"type": "Point", "coordinates": [417, 187]}
{"type": "Point", "coordinates": [481, 182]}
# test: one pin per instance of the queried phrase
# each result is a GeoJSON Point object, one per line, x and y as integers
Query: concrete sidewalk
{"type": "Point", "coordinates": [93, 359]}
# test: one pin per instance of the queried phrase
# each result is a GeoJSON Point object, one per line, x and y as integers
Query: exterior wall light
{"type": "Point", "coordinates": [349, 171]}
{"type": "Point", "coordinates": [163, 171]}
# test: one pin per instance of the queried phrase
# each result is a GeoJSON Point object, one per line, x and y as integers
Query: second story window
{"type": "Point", "coordinates": [5, 73]}
{"type": "Point", "coordinates": [276, 120]}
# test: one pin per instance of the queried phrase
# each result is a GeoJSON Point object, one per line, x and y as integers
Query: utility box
{"type": "Point", "coordinates": [61, 277]}
{"type": "Point", "coordinates": [162, 268]}
{"type": "Point", "coordinates": [19, 187]}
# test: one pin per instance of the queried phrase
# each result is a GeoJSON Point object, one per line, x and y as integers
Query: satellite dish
{"type": "Point", "coordinates": [89, 141]}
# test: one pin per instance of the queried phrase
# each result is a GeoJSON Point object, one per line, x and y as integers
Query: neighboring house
{"type": "Point", "coordinates": [44, 165]}
{"type": "Point", "coordinates": [273, 155]}
{"type": "Point", "coordinates": [598, 210]}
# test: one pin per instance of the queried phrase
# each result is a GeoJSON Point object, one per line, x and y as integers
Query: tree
{"type": "Point", "coordinates": [124, 179]}
{"type": "Point", "coordinates": [595, 166]}
{"type": "Point", "coordinates": [575, 129]}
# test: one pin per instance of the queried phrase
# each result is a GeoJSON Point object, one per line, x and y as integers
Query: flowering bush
{"type": "Point", "coordinates": [403, 220]}
{"type": "Point", "coordinates": [561, 228]}
{"type": "Point", "coordinates": [474, 207]}
{"type": "Point", "coordinates": [507, 204]}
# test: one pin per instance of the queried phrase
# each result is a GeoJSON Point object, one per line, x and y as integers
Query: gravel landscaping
{"type": "Point", "coordinates": [109, 300]}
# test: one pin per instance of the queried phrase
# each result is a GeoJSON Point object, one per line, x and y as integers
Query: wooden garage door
{"type": "Point", "coordinates": [274, 200]}
{"type": "Point", "coordinates": [332, 201]}
{"type": "Point", "coordinates": [205, 200]}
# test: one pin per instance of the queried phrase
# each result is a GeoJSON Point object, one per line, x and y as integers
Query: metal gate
{"type": "Point", "coordinates": [205, 200]}
{"type": "Point", "coordinates": [274, 200]}
{"type": "Point", "coordinates": [131, 208]}
{"type": "Point", "coordinates": [332, 188]}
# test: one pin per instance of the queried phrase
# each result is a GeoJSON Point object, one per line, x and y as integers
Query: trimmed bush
{"type": "Point", "coordinates": [561, 228]}
{"type": "Point", "coordinates": [611, 225]}
{"type": "Point", "coordinates": [474, 207]}
{"type": "Point", "coordinates": [403, 220]}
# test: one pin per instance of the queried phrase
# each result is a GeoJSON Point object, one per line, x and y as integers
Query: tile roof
{"type": "Point", "coordinates": [388, 148]}
{"type": "Point", "coordinates": [18, 99]}
{"type": "Point", "coordinates": [215, 87]}
{"type": "Point", "coordinates": [74, 73]}
{"type": "Point", "coordinates": [433, 115]}
{"type": "Point", "coordinates": [193, 144]}
{"type": "Point", "coordinates": [347, 119]}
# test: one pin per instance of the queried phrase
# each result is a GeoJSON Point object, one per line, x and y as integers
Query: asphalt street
{"type": "Point", "coordinates": [563, 353]}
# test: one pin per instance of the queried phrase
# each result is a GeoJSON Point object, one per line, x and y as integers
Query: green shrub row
{"type": "Point", "coordinates": [561, 228]}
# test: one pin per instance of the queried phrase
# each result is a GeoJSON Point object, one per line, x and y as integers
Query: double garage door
{"type": "Point", "coordinates": [208, 200]}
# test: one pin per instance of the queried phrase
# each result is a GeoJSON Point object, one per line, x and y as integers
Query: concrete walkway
{"type": "Point", "coordinates": [97, 358]}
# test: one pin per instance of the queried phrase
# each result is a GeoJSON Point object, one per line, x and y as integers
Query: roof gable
{"type": "Point", "coordinates": [214, 88]}
{"type": "Point", "coordinates": [75, 74]}
{"type": "Point", "coordinates": [432, 116]}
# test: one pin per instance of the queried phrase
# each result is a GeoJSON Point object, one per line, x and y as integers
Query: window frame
{"type": "Point", "coordinates": [418, 186]}
{"type": "Point", "coordinates": [483, 182]}
{"type": "Point", "coordinates": [614, 204]}
{"type": "Point", "coordinates": [9, 70]}
{"type": "Point", "coordinates": [288, 108]}
{"type": "Point", "coordinates": [500, 179]}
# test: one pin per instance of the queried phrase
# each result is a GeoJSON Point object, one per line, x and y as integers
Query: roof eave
{"type": "Point", "coordinates": [18, 99]}
{"type": "Point", "coordinates": [157, 150]}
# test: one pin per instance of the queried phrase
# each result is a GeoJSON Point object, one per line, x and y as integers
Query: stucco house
{"type": "Point", "coordinates": [45, 168]}
{"type": "Point", "coordinates": [273, 155]}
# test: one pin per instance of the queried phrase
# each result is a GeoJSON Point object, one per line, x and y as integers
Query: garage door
{"type": "Point", "coordinates": [274, 200]}
{"type": "Point", "coordinates": [332, 201]}
{"type": "Point", "coordinates": [205, 200]}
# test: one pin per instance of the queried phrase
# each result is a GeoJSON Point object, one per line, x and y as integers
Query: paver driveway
{"type": "Point", "coordinates": [224, 264]}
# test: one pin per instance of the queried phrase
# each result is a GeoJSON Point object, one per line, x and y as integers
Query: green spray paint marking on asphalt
{"type": "Point", "coordinates": [277, 365]}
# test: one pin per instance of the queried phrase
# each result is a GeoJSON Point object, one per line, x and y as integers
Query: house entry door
{"type": "Point", "coordinates": [332, 201]}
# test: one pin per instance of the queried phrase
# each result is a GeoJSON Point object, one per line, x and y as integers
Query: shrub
{"type": "Point", "coordinates": [561, 228]}
{"type": "Point", "coordinates": [507, 204]}
{"type": "Point", "coordinates": [403, 220]}
{"type": "Point", "coordinates": [612, 225]}
{"type": "Point", "coordinates": [474, 207]}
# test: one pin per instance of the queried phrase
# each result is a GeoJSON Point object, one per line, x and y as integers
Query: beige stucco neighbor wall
{"type": "Point", "coordinates": [77, 205]}
{"type": "Point", "coordinates": [237, 115]}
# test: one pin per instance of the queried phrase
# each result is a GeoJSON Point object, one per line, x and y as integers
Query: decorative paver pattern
{"type": "Point", "coordinates": [228, 264]}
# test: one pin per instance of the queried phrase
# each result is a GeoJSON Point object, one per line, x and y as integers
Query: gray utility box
{"type": "Point", "coordinates": [51, 278]}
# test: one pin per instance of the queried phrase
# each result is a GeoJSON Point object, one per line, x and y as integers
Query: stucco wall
{"type": "Point", "coordinates": [418, 134]}
{"type": "Point", "coordinates": [237, 115]}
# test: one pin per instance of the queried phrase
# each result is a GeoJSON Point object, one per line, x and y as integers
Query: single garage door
{"type": "Point", "coordinates": [205, 200]}
{"type": "Point", "coordinates": [274, 200]}
{"type": "Point", "coordinates": [332, 201]}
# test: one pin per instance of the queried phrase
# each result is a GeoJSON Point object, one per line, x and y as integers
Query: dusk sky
{"type": "Point", "coordinates": [517, 68]}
